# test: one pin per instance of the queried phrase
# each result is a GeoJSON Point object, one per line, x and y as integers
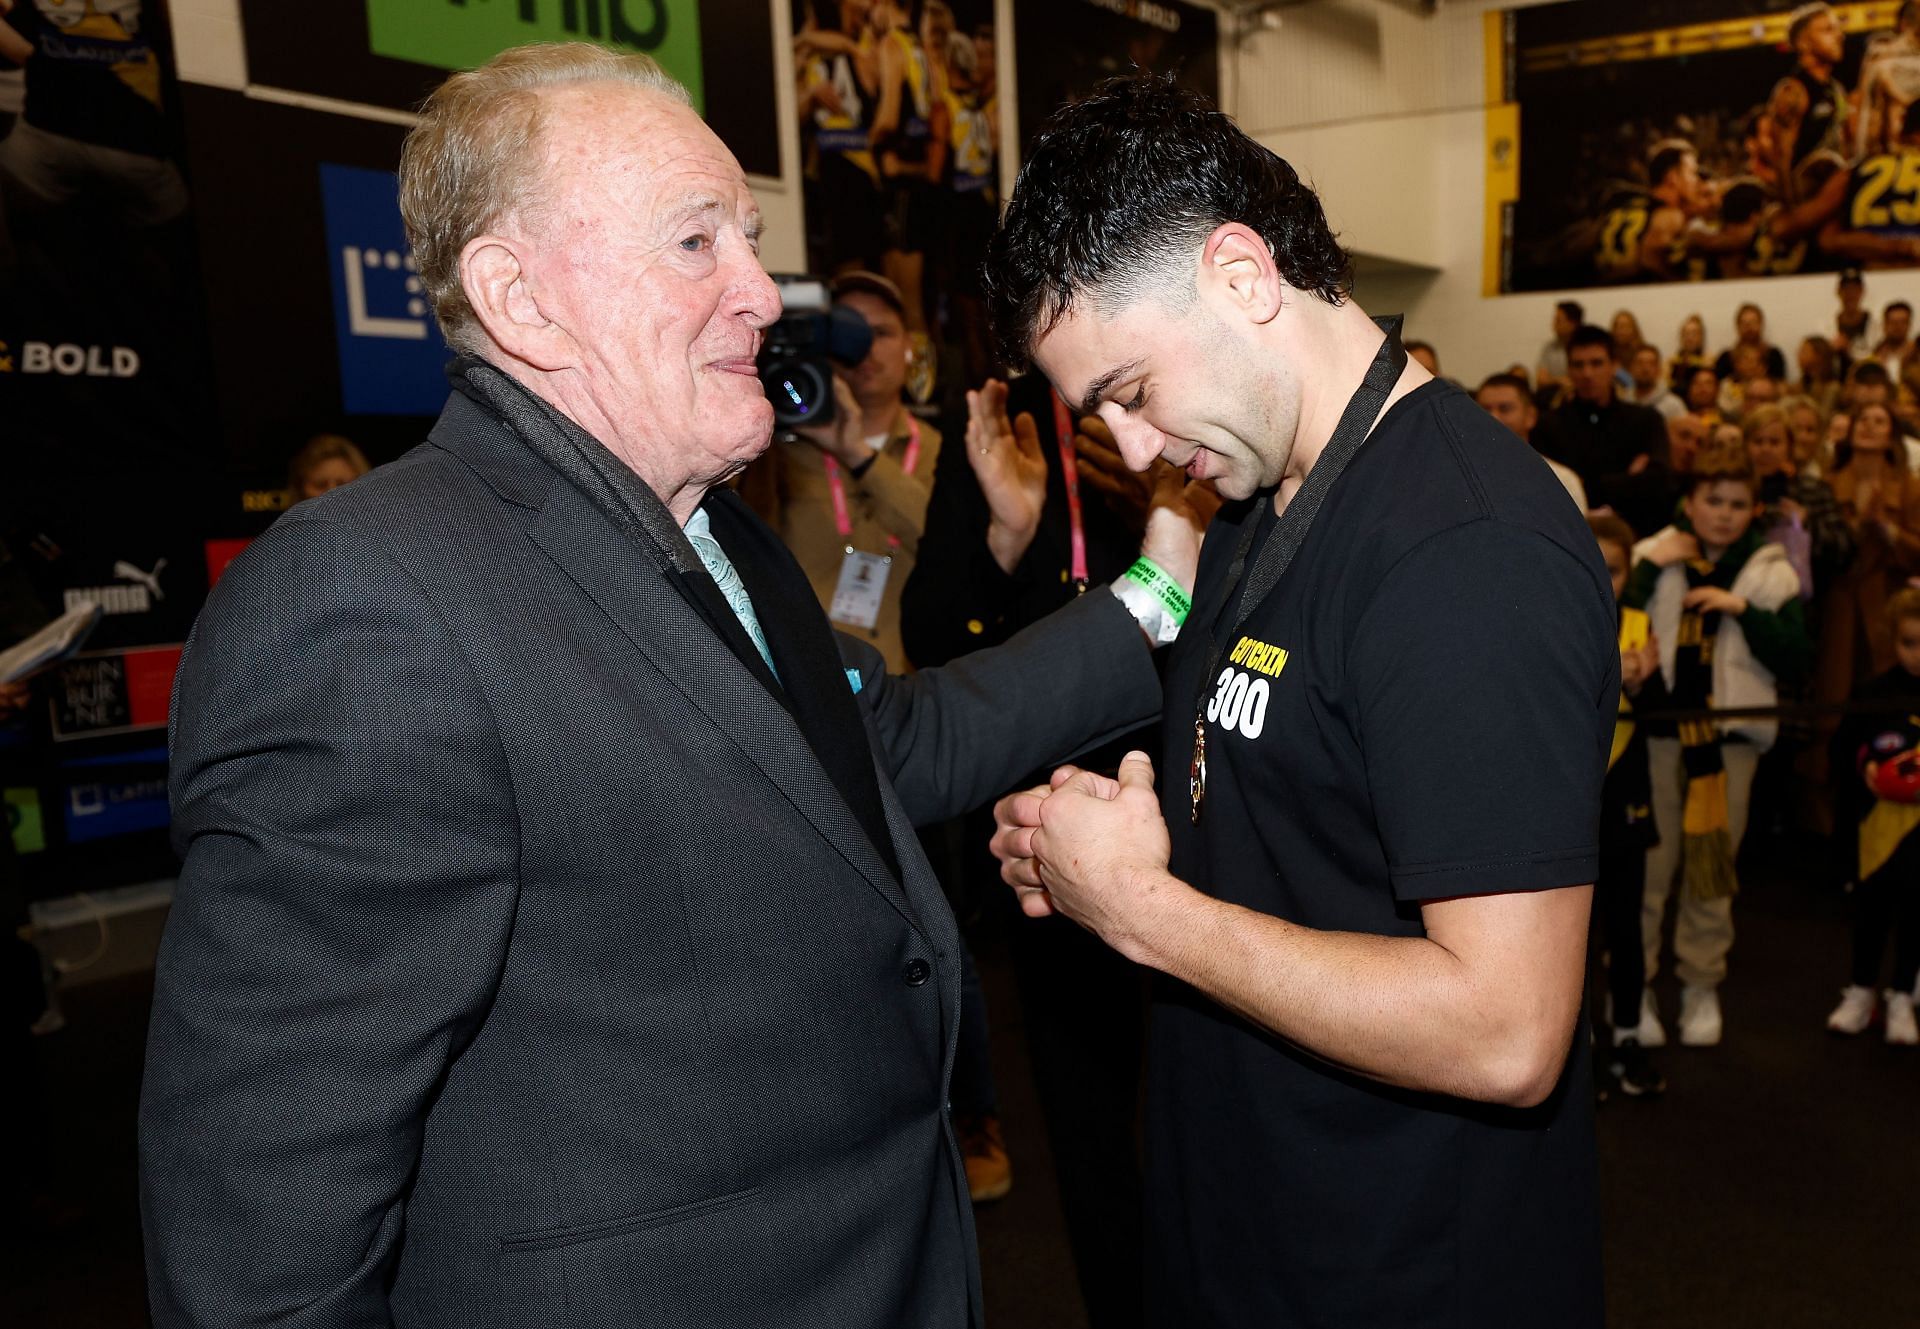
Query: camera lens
{"type": "Point", "coordinates": [798, 388]}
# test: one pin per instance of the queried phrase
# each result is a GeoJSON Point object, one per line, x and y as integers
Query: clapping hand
{"type": "Point", "coordinates": [1128, 493]}
{"type": "Point", "coordinates": [1012, 471]}
{"type": "Point", "coordinates": [1167, 512]}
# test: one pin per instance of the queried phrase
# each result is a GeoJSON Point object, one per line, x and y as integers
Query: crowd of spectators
{"type": "Point", "coordinates": [1763, 524]}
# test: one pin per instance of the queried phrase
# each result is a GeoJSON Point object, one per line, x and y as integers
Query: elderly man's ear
{"type": "Point", "coordinates": [500, 290]}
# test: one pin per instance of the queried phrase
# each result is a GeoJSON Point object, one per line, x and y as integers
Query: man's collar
{"type": "Point", "coordinates": [608, 483]}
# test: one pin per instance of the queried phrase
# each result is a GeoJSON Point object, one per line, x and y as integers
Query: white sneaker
{"type": "Point", "coordinates": [1651, 1033]}
{"type": "Point", "coordinates": [1699, 1017]}
{"type": "Point", "coordinates": [1901, 1028]}
{"type": "Point", "coordinates": [1855, 1011]}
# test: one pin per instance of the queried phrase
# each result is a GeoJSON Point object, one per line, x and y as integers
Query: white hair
{"type": "Point", "coordinates": [474, 157]}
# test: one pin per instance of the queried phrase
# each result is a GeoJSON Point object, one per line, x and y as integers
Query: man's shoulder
{"type": "Point", "coordinates": [415, 492]}
{"type": "Point", "coordinates": [1447, 444]}
{"type": "Point", "coordinates": [1452, 475]}
{"type": "Point", "coordinates": [1637, 414]}
{"type": "Point", "coordinates": [1571, 412]}
{"type": "Point", "coordinates": [426, 508]}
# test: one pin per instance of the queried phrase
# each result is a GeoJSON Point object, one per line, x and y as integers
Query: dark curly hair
{"type": "Point", "coordinates": [1123, 182]}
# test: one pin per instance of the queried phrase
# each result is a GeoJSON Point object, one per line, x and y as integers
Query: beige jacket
{"type": "Point", "coordinates": [788, 488]}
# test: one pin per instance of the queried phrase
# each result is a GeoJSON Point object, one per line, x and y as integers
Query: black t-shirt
{"type": "Point", "coordinates": [1421, 708]}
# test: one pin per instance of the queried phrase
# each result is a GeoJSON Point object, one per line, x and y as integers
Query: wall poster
{"type": "Point", "coordinates": [1700, 140]}
{"type": "Point", "coordinates": [899, 109]}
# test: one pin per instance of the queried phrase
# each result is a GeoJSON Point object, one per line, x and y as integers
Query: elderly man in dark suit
{"type": "Point", "coordinates": [552, 945]}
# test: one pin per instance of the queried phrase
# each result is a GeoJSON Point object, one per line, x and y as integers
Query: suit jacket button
{"type": "Point", "coordinates": [917, 973]}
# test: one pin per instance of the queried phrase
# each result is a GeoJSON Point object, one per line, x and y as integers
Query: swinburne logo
{"type": "Point", "coordinates": [39, 357]}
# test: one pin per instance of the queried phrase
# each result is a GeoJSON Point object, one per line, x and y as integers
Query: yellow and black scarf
{"type": "Point", "coordinates": [1707, 840]}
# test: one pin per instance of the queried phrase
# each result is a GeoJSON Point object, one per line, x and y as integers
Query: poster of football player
{"type": "Point", "coordinates": [1696, 140]}
{"type": "Point", "coordinates": [898, 110]}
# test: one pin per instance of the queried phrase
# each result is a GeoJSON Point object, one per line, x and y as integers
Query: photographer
{"type": "Point", "coordinates": [850, 498]}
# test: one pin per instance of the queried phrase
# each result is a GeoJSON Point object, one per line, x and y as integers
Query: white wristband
{"type": "Point", "coordinates": [1160, 626]}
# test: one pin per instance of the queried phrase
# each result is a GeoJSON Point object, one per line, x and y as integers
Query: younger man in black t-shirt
{"type": "Point", "coordinates": [1365, 874]}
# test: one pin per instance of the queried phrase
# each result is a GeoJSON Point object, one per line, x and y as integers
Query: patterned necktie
{"type": "Point", "coordinates": [720, 568]}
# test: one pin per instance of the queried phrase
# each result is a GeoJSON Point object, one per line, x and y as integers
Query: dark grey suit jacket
{"type": "Point", "coordinates": [526, 968]}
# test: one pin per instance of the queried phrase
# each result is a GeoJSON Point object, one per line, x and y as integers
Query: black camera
{"type": "Point", "coordinates": [798, 352]}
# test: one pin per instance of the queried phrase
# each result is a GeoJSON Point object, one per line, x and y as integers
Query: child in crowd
{"type": "Point", "coordinates": [1725, 606]}
{"type": "Point", "coordinates": [1885, 748]}
{"type": "Point", "coordinates": [1626, 832]}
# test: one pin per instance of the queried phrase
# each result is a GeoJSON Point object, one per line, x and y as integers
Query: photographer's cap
{"type": "Point", "coordinates": [871, 283]}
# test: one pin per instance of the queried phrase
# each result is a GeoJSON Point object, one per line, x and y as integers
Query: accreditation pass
{"type": "Point", "coordinates": [863, 581]}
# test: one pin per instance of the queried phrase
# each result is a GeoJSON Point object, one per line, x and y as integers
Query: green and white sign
{"type": "Point", "coordinates": [459, 34]}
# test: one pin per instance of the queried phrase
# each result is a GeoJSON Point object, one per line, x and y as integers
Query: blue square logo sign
{"type": "Point", "coordinates": [391, 354]}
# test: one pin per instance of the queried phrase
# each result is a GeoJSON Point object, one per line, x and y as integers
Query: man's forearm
{"type": "Point", "coordinates": [955, 736]}
{"type": "Point", "coordinates": [1402, 1010]}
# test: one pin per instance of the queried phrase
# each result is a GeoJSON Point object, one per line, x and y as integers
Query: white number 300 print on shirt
{"type": "Point", "coordinates": [1239, 702]}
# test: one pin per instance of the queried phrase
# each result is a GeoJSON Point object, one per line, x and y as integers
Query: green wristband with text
{"type": "Point", "coordinates": [1165, 589]}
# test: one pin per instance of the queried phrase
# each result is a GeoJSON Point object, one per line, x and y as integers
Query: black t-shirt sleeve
{"type": "Point", "coordinates": [1485, 676]}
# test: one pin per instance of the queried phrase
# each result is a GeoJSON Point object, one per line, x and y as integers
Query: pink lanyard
{"type": "Point", "coordinates": [842, 518]}
{"type": "Point", "coordinates": [1063, 430]}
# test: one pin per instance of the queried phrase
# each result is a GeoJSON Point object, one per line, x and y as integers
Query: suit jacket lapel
{"type": "Point", "coordinates": [809, 663]}
{"type": "Point", "coordinates": [670, 633]}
